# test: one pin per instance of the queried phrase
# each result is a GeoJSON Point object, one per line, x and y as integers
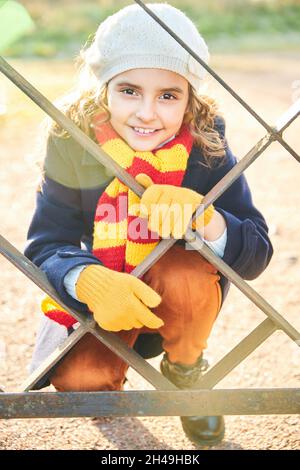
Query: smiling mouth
{"type": "Point", "coordinates": [144, 134]}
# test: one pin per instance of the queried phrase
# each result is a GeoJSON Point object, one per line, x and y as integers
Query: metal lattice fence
{"type": "Point", "coordinates": [166, 399]}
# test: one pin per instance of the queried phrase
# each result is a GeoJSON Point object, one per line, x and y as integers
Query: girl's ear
{"type": "Point", "coordinates": [187, 116]}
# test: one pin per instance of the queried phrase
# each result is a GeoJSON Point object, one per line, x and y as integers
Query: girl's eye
{"type": "Point", "coordinates": [169, 94]}
{"type": "Point", "coordinates": [127, 89]}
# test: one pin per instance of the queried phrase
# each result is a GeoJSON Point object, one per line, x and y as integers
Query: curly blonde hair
{"type": "Point", "coordinates": [87, 100]}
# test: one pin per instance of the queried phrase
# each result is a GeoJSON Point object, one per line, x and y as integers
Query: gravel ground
{"type": "Point", "coordinates": [270, 84]}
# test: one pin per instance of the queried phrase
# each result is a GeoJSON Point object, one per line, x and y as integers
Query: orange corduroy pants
{"type": "Point", "coordinates": [191, 300]}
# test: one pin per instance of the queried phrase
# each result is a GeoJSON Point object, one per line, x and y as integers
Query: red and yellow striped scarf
{"type": "Point", "coordinates": [121, 240]}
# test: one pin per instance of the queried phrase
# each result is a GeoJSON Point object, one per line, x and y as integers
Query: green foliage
{"type": "Point", "coordinates": [62, 27]}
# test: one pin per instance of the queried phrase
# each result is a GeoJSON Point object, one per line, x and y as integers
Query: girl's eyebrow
{"type": "Point", "coordinates": [176, 89]}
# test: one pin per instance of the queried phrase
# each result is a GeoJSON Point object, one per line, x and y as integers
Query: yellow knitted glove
{"type": "Point", "coordinates": [169, 208]}
{"type": "Point", "coordinates": [118, 301]}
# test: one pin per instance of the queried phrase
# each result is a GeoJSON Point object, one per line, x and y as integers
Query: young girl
{"type": "Point", "coordinates": [139, 98]}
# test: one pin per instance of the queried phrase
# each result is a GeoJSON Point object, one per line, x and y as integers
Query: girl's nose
{"type": "Point", "coordinates": [146, 111]}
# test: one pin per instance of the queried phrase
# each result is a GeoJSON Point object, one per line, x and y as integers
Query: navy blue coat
{"type": "Point", "coordinates": [60, 233]}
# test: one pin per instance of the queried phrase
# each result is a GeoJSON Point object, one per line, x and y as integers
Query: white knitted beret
{"type": "Point", "coordinates": [131, 39]}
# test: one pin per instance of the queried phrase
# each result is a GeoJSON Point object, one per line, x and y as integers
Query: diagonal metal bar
{"type": "Point", "coordinates": [52, 359]}
{"type": "Point", "coordinates": [262, 332]}
{"type": "Point", "coordinates": [86, 142]}
{"type": "Point", "coordinates": [254, 296]}
{"type": "Point", "coordinates": [111, 340]}
{"type": "Point", "coordinates": [286, 120]}
{"type": "Point", "coordinates": [150, 403]}
{"type": "Point", "coordinates": [271, 130]}
{"type": "Point", "coordinates": [288, 147]}
{"type": "Point", "coordinates": [207, 67]}
{"type": "Point", "coordinates": [288, 117]}
{"type": "Point", "coordinates": [283, 122]}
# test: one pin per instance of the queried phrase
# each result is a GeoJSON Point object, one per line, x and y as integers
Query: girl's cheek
{"type": "Point", "coordinates": [123, 103]}
{"type": "Point", "coordinates": [171, 117]}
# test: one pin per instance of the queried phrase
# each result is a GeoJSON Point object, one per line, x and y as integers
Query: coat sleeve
{"type": "Point", "coordinates": [56, 228]}
{"type": "Point", "coordinates": [248, 249]}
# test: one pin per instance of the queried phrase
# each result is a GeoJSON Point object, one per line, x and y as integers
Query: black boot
{"type": "Point", "coordinates": [202, 430]}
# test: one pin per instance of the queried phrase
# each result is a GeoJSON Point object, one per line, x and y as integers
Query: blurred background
{"type": "Point", "coordinates": [61, 26]}
{"type": "Point", "coordinates": [255, 48]}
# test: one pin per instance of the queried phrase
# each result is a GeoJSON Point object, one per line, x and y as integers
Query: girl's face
{"type": "Point", "coordinates": [153, 99]}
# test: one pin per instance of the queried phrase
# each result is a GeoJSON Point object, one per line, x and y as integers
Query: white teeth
{"type": "Point", "coordinates": [144, 131]}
